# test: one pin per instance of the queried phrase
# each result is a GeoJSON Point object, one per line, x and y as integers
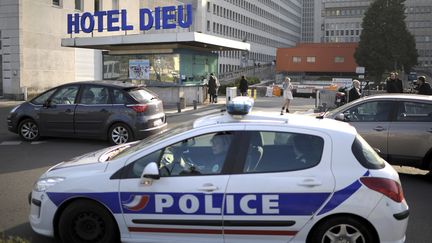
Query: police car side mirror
{"type": "Point", "coordinates": [150, 173]}
{"type": "Point", "coordinates": [340, 117]}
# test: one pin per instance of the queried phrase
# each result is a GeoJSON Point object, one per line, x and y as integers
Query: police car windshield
{"type": "Point", "coordinates": [154, 139]}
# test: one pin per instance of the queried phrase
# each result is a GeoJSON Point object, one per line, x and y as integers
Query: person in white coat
{"type": "Point", "coordinates": [287, 94]}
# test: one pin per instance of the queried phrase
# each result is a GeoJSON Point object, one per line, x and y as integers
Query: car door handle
{"type": "Point", "coordinates": [310, 182]}
{"type": "Point", "coordinates": [379, 128]}
{"type": "Point", "coordinates": [208, 188]}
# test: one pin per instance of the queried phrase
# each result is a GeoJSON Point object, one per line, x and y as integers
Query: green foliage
{"type": "Point", "coordinates": [11, 239]}
{"type": "Point", "coordinates": [385, 42]}
{"type": "Point", "coordinates": [236, 83]}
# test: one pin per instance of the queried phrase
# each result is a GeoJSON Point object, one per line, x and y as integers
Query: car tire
{"type": "Point", "coordinates": [87, 221]}
{"type": "Point", "coordinates": [119, 133]}
{"type": "Point", "coordinates": [28, 130]}
{"type": "Point", "coordinates": [342, 229]}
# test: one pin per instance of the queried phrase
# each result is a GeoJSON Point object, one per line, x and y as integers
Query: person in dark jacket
{"type": "Point", "coordinates": [354, 92]}
{"type": "Point", "coordinates": [423, 87]}
{"type": "Point", "coordinates": [243, 87]}
{"type": "Point", "coordinates": [212, 88]}
{"type": "Point", "coordinates": [394, 84]}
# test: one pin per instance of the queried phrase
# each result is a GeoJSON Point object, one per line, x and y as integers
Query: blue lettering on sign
{"type": "Point", "coordinates": [161, 18]}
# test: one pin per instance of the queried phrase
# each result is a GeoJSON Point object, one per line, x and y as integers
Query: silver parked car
{"type": "Point", "coordinates": [398, 125]}
{"type": "Point", "coordinates": [117, 111]}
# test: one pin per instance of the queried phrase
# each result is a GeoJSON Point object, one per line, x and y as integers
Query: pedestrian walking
{"type": "Point", "coordinates": [394, 84]}
{"type": "Point", "coordinates": [354, 92]}
{"type": "Point", "coordinates": [243, 86]}
{"type": "Point", "coordinates": [287, 94]}
{"type": "Point", "coordinates": [213, 86]}
{"type": "Point", "coordinates": [424, 87]}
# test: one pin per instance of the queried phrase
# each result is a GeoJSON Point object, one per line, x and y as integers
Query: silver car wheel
{"type": "Point", "coordinates": [343, 233]}
{"type": "Point", "coordinates": [29, 130]}
{"type": "Point", "coordinates": [120, 135]}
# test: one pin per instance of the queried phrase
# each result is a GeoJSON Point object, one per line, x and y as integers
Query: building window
{"type": "Point", "coordinates": [79, 5]}
{"type": "Point", "coordinates": [97, 5]}
{"type": "Point", "coordinates": [310, 59]}
{"type": "Point", "coordinates": [208, 25]}
{"type": "Point", "coordinates": [115, 4]}
{"type": "Point", "coordinates": [56, 3]}
{"type": "Point", "coordinates": [296, 59]}
{"type": "Point", "coordinates": [208, 7]}
{"type": "Point", "coordinates": [143, 3]}
{"type": "Point", "coordinates": [339, 59]}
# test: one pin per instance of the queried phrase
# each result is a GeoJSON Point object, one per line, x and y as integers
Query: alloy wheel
{"type": "Point", "coordinates": [29, 130]}
{"type": "Point", "coordinates": [343, 233]}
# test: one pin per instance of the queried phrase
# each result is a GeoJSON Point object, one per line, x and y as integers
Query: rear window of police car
{"type": "Point", "coordinates": [366, 155]}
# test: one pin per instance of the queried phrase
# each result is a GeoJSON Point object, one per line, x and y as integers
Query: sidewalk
{"type": "Point", "coordinates": [5, 103]}
{"type": "Point", "coordinates": [171, 109]}
{"type": "Point", "coordinates": [270, 104]}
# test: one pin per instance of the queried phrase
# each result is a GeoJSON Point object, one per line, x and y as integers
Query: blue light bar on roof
{"type": "Point", "coordinates": [240, 105]}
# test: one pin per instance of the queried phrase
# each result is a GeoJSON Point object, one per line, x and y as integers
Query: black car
{"type": "Point", "coordinates": [113, 110]}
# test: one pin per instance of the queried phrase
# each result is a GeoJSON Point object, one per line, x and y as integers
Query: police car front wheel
{"type": "Point", "coordinates": [342, 229]}
{"type": "Point", "coordinates": [87, 221]}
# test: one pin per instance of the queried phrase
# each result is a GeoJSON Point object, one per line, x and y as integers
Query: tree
{"type": "Point", "coordinates": [385, 42]}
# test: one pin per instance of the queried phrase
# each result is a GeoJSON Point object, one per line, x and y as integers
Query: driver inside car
{"type": "Point", "coordinates": [200, 155]}
{"type": "Point", "coordinates": [220, 144]}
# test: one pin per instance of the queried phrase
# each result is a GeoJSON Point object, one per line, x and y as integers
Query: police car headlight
{"type": "Point", "coordinates": [44, 183]}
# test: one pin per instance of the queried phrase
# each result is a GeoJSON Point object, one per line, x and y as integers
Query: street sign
{"type": "Point", "coordinates": [412, 76]}
{"type": "Point", "coordinates": [360, 70]}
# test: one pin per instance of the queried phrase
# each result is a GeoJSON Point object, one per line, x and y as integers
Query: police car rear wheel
{"type": "Point", "coordinates": [342, 229]}
{"type": "Point", "coordinates": [87, 221]}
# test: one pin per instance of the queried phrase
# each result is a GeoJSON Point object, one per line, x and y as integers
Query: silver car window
{"type": "Point", "coordinates": [414, 112]}
{"type": "Point", "coordinates": [374, 111]}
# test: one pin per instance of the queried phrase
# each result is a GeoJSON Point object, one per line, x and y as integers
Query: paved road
{"type": "Point", "coordinates": [22, 163]}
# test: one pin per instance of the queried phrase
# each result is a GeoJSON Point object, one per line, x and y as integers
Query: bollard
{"type": "Point", "coordinates": [195, 104]}
{"type": "Point", "coordinates": [178, 107]}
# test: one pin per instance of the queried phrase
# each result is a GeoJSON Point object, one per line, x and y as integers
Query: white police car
{"type": "Point", "coordinates": [227, 178]}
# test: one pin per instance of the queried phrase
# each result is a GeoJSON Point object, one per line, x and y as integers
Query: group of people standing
{"type": "Point", "coordinates": [394, 85]}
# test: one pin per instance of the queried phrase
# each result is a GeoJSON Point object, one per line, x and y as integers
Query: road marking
{"type": "Point", "coordinates": [11, 143]}
{"type": "Point", "coordinates": [38, 142]}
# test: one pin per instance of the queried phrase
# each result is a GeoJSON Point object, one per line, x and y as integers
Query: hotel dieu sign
{"type": "Point", "coordinates": [168, 17]}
